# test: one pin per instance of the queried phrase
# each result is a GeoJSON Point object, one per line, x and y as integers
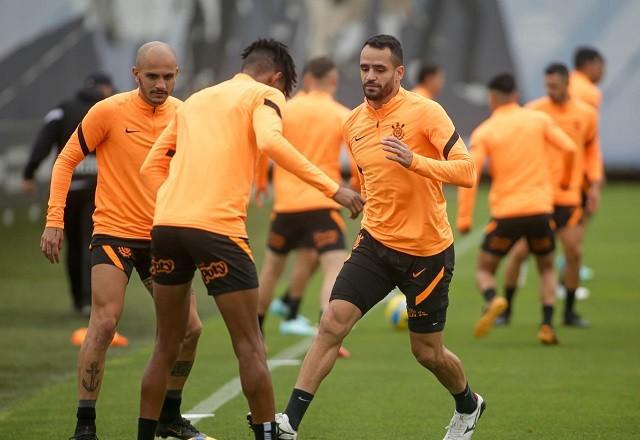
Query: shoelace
{"type": "Point", "coordinates": [457, 424]}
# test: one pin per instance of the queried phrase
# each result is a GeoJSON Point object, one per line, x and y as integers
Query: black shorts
{"type": "Point", "coordinates": [225, 263]}
{"type": "Point", "coordinates": [501, 234]}
{"type": "Point", "coordinates": [321, 229]}
{"type": "Point", "coordinates": [564, 216]}
{"type": "Point", "coordinates": [373, 270]}
{"type": "Point", "coordinates": [123, 253]}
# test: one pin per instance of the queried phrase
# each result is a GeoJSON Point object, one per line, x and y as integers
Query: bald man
{"type": "Point", "coordinates": [121, 130]}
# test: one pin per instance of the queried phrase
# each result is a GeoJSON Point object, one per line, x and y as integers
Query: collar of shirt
{"type": "Point", "coordinates": [242, 77]}
{"type": "Point", "coordinates": [506, 108]}
{"type": "Point", "coordinates": [581, 76]}
{"type": "Point", "coordinates": [388, 107]}
{"type": "Point", "coordinates": [145, 107]}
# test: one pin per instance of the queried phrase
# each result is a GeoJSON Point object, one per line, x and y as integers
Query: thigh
{"type": "Point", "coordinates": [142, 263]}
{"type": "Point", "coordinates": [425, 283]}
{"type": "Point", "coordinates": [108, 285]}
{"type": "Point", "coordinates": [539, 233]}
{"type": "Point", "coordinates": [501, 235]}
{"type": "Point", "coordinates": [365, 279]}
{"type": "Point", "coordinates": [112, 254]}
{"type": "Point", "coordinates": [284, 233]}
{"type": "Point", "coordinates": [239, 310]}
{"type": "Point", "coordinates": [171, 262]}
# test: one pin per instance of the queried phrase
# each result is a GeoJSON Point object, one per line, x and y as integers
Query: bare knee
{"type": "Point", "coordinates": [429, 357]}
{"type": "Point", "coordinates": [102, 328]}
{"type": "Point", "coordinates": [192, 334]}
{"type": "Point", "coordinates": [333, 328]}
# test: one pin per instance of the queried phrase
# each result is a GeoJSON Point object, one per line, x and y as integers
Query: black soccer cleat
{"type": "Point", "coordinates": [574, 320]}
{"type": "Point", "coordinates": [180, 428]}
{"type": "Point", "coordinates": [86, 433]}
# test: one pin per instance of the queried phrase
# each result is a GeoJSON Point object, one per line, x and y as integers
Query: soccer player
{"type": "Point", "coordinates": [59, 125]}
{"type": "Point", "coordinates": [580, 121]}
{"type": "Point", "coordinates": [212, 146]}
{"type": "Point", "coordinates": [121, 130]}
{"type": "Point", "coordinates": [303, 217]}
{"type": "Point", "coordinates": [405, 147]}
{"type": "Point", "coordinates": [430, 81]}
{"type": "Point", "coordinates": [515, 141]}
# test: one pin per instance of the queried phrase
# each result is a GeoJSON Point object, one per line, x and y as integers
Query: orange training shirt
{"type": "Point", "coordinates": [203, 164]}
{"type": "Point", "coordinates": [121, 129]}
{"type": "Point", "coordinates": [581, 87]}
{"type": "Point", "coordinates": [406, 208]}
{"type": "Point", "coordinates": [580, 121]}
{"type": "Point", "coordinates": [423, 91]}
{"type": "Point", "coordinates": [312, 122]}
{"type": "Point", "coordinates": [515, 140]}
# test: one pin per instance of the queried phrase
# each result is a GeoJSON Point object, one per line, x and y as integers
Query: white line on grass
{"type": "Point", "coordinates": [287, 357]}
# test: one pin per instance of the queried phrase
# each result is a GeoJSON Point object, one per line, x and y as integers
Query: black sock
{"type": "Point", "coordinates": [489, 294]}
{"type": "Point", "coordinates": [297, 406]}
{"type": "Point", "coordinates": [294, 306]}
{"type": "Point", "coordinates": [171, 406]}
{"type": "Point", "coordinates": [261, 323]}
{"type": "Point", "coordinates": [285, 297]}
{"type": "Point", "coordinates": [509, 292]}
{"type": "Point", "coordinates": [569, 302]}
{"type": "Point", "coordinates": [466, 401]}
{"type": "Point", "coordinates": [265, 431]}
{"type": "Point", "coordinates": [547, 315]}
{"type": "Point", "coordinates": [147, 429]}
{"type": "Point", "coordinates": [86, 415]}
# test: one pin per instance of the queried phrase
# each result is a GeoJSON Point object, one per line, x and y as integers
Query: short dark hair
{"type": "Point", "coordinates": [268, 54]}
{"type": "Point", "coordinates": [584, 55]}
{"type": "Point", "coordinates": [319, 67]}
{"type": "Point", "coordinates": [382, 41]}
{"type": "Point", "coordinates": [427, 70]}
{"type": "Point", "coordinates": [558, 69]}
{"type": "Point", "coordinates": [503, 83]}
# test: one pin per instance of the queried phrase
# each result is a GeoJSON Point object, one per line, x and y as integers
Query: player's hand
{"type": "Point", "coordinates": [593, 198]}
{"type": "Point", "coordinates": [28, 186]}
{"type": "Point", "coordinates": [400, 151]}
{"type": "Point", "coordinates": [350, 200]}
{"type": "Point", "coordinates": [51, 243]}
{"type": "Point", "coordinates": [260, 196]}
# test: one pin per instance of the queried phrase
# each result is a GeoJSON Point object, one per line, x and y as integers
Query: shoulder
{"type": "Point", "coordinates": [174, 102]}
{"type": "Point", "coordinates": [537, 104]}
{"type": "Point", "coordinates": [352, 117]}
{"type": "Point", "coordinates": [584, 108]}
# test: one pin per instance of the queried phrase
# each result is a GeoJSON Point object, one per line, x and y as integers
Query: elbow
{"type": "Point", "coordinates": [470, 176]}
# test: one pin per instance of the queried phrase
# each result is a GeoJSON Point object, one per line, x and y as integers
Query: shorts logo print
{"type": "Point", "coordinates": [325, 238]}
{"type": "Point", "coordinates": [213, 271]}
{"type": "Point", "coordinates": [160, 265]}
{"type": "Point", "coordinates": [357, 242]}
{"type": "Point", "coordinates": [276, 240]}
{"type": "Point", "coordinates": [125, 251]}
{"type": "Point", "coordinates": [413, 313]}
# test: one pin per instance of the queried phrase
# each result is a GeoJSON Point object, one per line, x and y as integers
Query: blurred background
{"type": "Point", "coordinates": [48, 47]}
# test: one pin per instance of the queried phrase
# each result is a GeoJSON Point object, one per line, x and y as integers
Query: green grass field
{"type": "Point", "coordinates": [586, 388]}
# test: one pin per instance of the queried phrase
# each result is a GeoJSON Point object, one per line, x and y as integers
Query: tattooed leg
{"type": "Point", "coordinates": [182, 367]}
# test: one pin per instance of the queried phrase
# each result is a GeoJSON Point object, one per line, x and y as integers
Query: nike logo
{"type": "Point", "coordinates": [475, 422]}
{"type": "Point", "coordinates": [303, 400]}
{"type": "Point", "coordinates": [417, 274]}
{"type": "Point", "coordinates": [356, 138]}
{"type": "Point", "coordinates": [126, 130]}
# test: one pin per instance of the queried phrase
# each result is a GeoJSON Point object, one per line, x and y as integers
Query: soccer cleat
{"type": "Point", "coordinates": [574, 320]}
{"type": "Point", "coordinates": [343, 353]}
{"type": "Point", "coordinates": [502, 321]}
{"type": "Point", "coordinates": [180, 428]}
{"type": "Point", "coordinates": [285, 430]}
{"type": "Point", "coordinates": [279, 308]}
{"type": "Point", "coordinates": [547, 335]}
{"type": "Point", "coordinates": [299, 326]}
{"type": "Point", "coordinates": [462, 426]}
{"type": "Point", "coordinates": [86, 433]}
{"type": "Point", "coordinates": [495, 308]}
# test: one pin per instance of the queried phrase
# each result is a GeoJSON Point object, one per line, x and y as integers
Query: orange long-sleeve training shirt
{"type": "Point", "coordinates": [515, 140]}
{"type": "Point", "coordinates": [580, 121]}
{"type": "Point", "coordinates": [406, 208]}
{"type": "Point", "coordinates": [312, 122]}
{"type": "Point", "coordinates": [581, 87]}
{"type": "Point", "coordinates": [121, 129]}
{"type": "Point", "coordinates": [203, 164]}
{"type": "Point", "coordinates": [422, 91]}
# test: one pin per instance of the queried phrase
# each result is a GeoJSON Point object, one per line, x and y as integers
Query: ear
{"type": "Point", "coordinates": [134, 72]}
{"type": "Point", "coordinates": [400, 72]}
{"type": "Point", "coordinates": [278, 76]}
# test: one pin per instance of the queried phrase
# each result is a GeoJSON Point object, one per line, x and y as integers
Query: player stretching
{"type": "Point", "coordinates": [580, 122]}
{"type": "Point", "coordinates": [121, 130]}
{"type": "Point", "coordinates": [212, 145]}
{"type": "Point", "coordinates": [406, 147]}
{"type": "Point", "coordinates": [303, 217]}
{"type": "Point", "coordinates": [515, 141]}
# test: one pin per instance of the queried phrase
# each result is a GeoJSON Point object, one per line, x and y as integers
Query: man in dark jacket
{"type": "Point", "coordinates": [58, 126]}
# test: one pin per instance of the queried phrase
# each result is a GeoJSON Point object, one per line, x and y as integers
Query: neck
{"type": "Point", "coordinates": [144, 98]}
{"type": "Point", "coordinates": [561, 100]}
{"type": "Point", "coordinates": [377, 104]}
{"type": "Point", "coordinates": [324, 88]}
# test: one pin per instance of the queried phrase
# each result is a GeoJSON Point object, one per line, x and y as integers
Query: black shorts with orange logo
{"type": "Point", "coordinates": [373, 270]}
{"type": "Point", "coordinates": [501, 234]}
{"type": "Point", "coordinates": [564, 216]}
{"type": "Point", "coordinates": [321, 229]}
{"type": "Point", "coordinates": [225, 263]}
{"type": "Point", "coordinates": [123, 253]}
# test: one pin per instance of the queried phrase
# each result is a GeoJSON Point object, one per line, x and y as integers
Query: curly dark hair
{"type": "Point", "coordinates": [268, 54]}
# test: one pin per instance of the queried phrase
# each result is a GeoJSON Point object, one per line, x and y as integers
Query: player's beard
{"type": "Point", "coordinates": [381, 93]}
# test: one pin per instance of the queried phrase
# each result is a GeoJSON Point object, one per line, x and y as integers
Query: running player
{"type": "Point", "coordinates": [121, 130]}
{"type": "Point", "coordinates": [580, 122]}
{"type": "Point", "coordinates": [405, 147]}
{"type": "Point", "coordinates": [430, 82]}
{"type": "Point", "coordinates": [515, 141]}
{"type": "Point", "coordinates": [212, 146]}
{"type": "Point", "coordinates": [303, 217]}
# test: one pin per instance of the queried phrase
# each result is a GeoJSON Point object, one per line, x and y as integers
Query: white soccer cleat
{"type": "Point", "coordinates": [462, 426]}
{"type": "Point", "coordinates": [299, 327]}
{"type": "Point", "coordinates": [285, 430]}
